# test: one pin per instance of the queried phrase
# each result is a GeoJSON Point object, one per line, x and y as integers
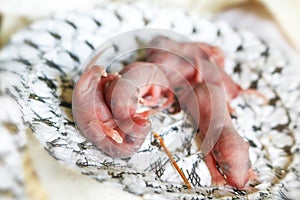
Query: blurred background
{"type": "Point", "coordinates": [14, 14]}
{"type": "Point", "coordinates": [42, 176]}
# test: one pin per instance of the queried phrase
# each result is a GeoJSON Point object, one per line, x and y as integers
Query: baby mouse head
{"type": "Point", "coordinates": [232, 155]}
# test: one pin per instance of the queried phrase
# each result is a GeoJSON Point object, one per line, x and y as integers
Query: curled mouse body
{"type": "Point", "coordinates": [221, 143]}
{"type": "Point", "coordinates": [105, 106]}
{"type": "Point", "coordinates": [95, 120]}
{"type": "Point", "coordinates": [197, 62]}
{"type": "Point", "coordinates": [147, 79]}
{"type": "Point", "coordinates": [190, 49]}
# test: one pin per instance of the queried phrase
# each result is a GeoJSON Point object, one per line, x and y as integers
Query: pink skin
{"type": "Point", "coordinates": [95, 120]}
{"type": "Point", "coordinates": [151, 81]}
{"type": "Point", "coordinates": [138, 82]}
{"type": "Point", "coordinates": [105, 106]}
{"type": "Point", "coordinates": [219, 136]}
{"type": "Point", "coordinates": [212, 115]}
{"type": "Point", "coordinates": [171, 63]}
{"type": "Point", "coordinates": [197, 62]}
{"type": "Point", "coordinates": [187, 49]}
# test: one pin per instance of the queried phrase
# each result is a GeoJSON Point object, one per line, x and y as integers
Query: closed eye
{"type": "Point", "coordinates": [216, 153]}
{"type": "Point", "coordinates": [130, 139]}
{"type": "Point", "coordinates": [225, 166]}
